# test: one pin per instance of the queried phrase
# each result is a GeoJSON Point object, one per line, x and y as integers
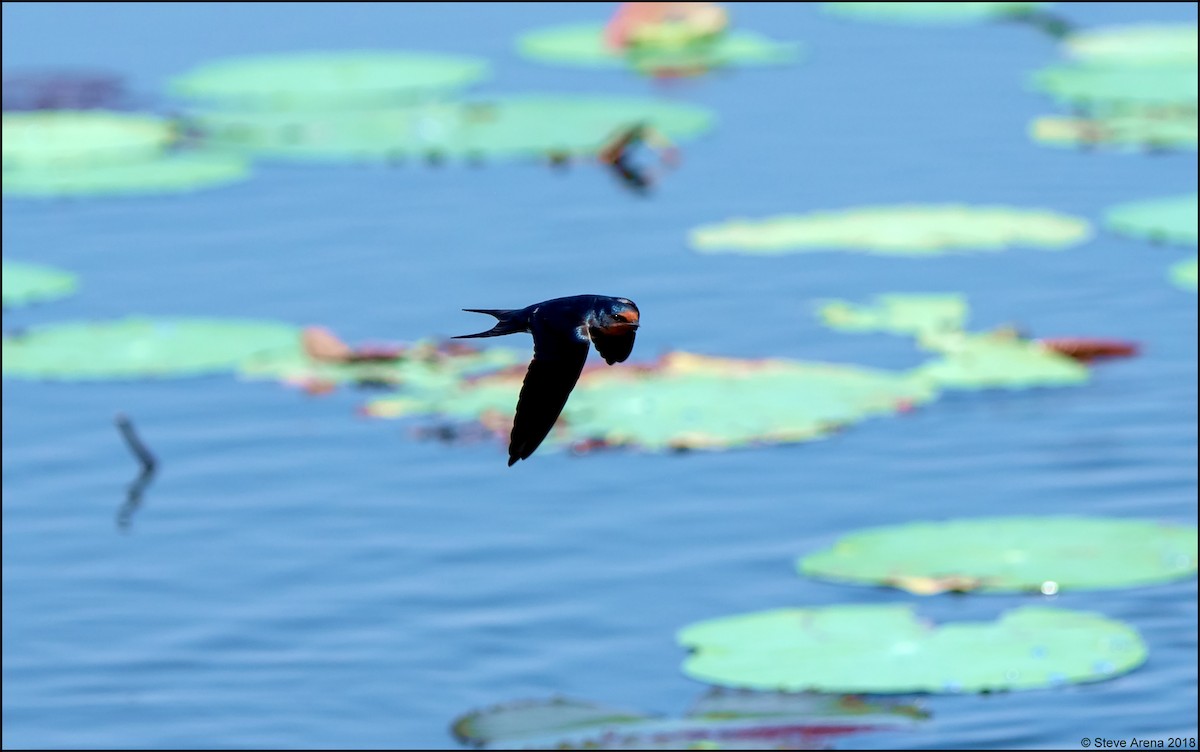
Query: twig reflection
{"type": "Point", "coordinates": [133, 496]}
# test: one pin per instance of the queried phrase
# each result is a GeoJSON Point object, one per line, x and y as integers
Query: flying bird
{"type": "Point", "coordinates": [561, 329]}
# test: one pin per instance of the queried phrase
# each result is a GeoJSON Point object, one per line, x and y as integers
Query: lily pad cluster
{"type": "Point", "coordinates": [965, 360]}
{"type": "Point", "coordinates": [887, 649]}
{"type": "Point", "coordinates": [502, 127]}
{"type": "Point", "coordinates": [31, 283]}
{"type": "Point", "coordinates": [1142, 131]}
{"type": "Point", "coordinates": [1140, 44]}
{"type": "Point", "coordinates": [897, 314]}
{"type": "Point", "coordinates": [1183, 274]}
{"type": "Point", "coordinates": [1161, 220]}
{"type": "Point", "coordinates": [140, 348]}
{"type": "Point", "coordinates": [932, 13]}
{"type": "Point", "coordinates": [425, 365]}
{"type": "Point", "coordinates": [1130, 87]}
{"type": "Point", "coordinates": [720, 719]}
{"type": "Point", "coordinates": [328, 79]}
{"type": "Point", "coordinates": [1010, 554]}
{"type": "Point", "coordinates": [904, 230]}
{"type": "Point", "coordinates": [684, 401]}
{"type": "Point", "coordinates": [583, 45]}
{"type": "Point", "coordinates": [94, 152]}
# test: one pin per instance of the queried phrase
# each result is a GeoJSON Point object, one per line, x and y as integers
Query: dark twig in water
{"type": "Point", "coordinates": [133, 497]}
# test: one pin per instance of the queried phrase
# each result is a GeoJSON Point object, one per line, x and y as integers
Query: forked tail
{"type": "Point", "coordinates": [508, 322]}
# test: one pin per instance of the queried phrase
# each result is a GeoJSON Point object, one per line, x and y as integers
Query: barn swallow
{"type": "Point", "coordinates": [561, 330]}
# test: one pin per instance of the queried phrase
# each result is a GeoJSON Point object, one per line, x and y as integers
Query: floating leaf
{"type": "Point", "coordinates": [996, 361]}
{"type": "Point", "coordinates": [1140, 130]}
{"type": "Point", "coordinates": [424, 365]}
{"type": "Point", "coordinates": [328, 79]}
{"type": "Point", "coordinates": [1142, 44]}
{"type": "Point", "coordinates": [908, 230]}
{"type": "Point", "coordinates": [1161, 220]}
{"type": "Point", "coordinates": [48, 140]}
{"type": "Point", "coordinates": [886, 649]}
{"type": "Point", "coordinates": [932, 13]}
{"type": "Point", "coordinates": [28, 283]}
{"type": "Point", "coordinates": [141, 348]}
{"type": "Point", "coordinates": [583, 45]}
{"type": "Point", "coordinates": [503, 127]}
{"type": "Point", "coordinates": [1183, 274]}
{"type": "Point", "coordinates": [174, 174]}
{"type": "Point", "coordinates": [1011, 554]}
{"type": "Point", "coordinates": [687, 401]}
{"type": "Point", "coordinates": [898, 314]}
{"type": "Point", "coordinates": [1101, 88]}
{"type": "Point", "coordinates": [744, 720]}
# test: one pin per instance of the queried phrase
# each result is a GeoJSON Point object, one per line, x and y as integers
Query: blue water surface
{"type": "Point", "coordinates": [301, 577]}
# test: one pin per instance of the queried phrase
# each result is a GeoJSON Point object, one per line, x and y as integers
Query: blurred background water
{"type": "Point", "coordinates": [301, 577]}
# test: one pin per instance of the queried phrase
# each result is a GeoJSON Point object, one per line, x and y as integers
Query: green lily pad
{"type": "Point", "coordinates": [583, 45]}
{"type": "Point", "coordinates": [1183, 274]}
{"type": "Point", "coordinates": [173, 174]}
{"type": "Point", "coordinates": [424, 365]}
{"type": "Point", "coordinates": [1101, 88]}
{"type": "Point", "coordinates": [897, 314]}
{"type": "Point", "coordinates": [1011, 554]}
{"type": "Point", "coordinates": [328, 79]}
{"type": "Point", "coordinates": [29, 283]}
{"type": "Point", "coordinates": [1133, 130]}
{"type": "Point", "coordinates": [886, 649]}
{"type": "Point", "coordinates": [1142, 44]}
{"type": "Point", "coordinates": [995, 361]}
{"type": "Point", "coordinates": [141, 348]}
{"type": "Point", "coordinates": [69, 140]}
{"type": "Point", "coordinates": [686, 401]}
{"type": "Point", "coordinates": [742, 720]}
{"type": "Point", "coordinates": [931, 13]}
{"type": "Point", "coordinates": [505, 127]}
{"type": "Point", "coordinates": [907, 230]}
{"type": "Point", "coordinates": [1161, 220]}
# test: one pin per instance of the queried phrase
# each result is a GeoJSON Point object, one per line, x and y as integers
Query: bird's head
{"type": "Point", "coordinates": [619, 314]}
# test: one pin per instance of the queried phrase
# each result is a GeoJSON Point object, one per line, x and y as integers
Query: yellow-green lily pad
{"type": "Point", "coordinates": [184, 172]}
{"type": "Point", "coordinates": [686, 401]}
{"type": "Point", "coordinates": [931, 13]}
{"type": "Point", "coordinates": [995, 361]}
{"type": "Point", "coordinates": [70, 140]}
{"type": "Point", "coordinates": [1183, 274]}
{"type": "Point", "coordinates": [887, 649]}
{"type": "Point", "coordinates": [1010, 554]}
{"type": "Point", "coordinates": [897, 314]}
{"type": "Point", "coordinates": [423, 365]}
{"type": "Point", "coordinates": [30, 283]}
{"type": "Point", "coordinates": [1138, 44]}
{"type": "Point", "coordinates": [583, 45]}
{"type": "Point", "coordinates": [1160, 220]}
{"type": "Point", "coordinates": [905, 230]}
{"type": "Point", "coordinates": [140, 348]}
{"type": "Point", "coordinates": [328, 79]}
{"type": "Point", "coordinates": [966, 360]}
{"type": "Point", "coordinates": [514, 126]}
{"type": "Point", "coordinates": [1102, 88]}
{"type": "Point", "coordinates": [717, 719]}
{"type": "Point", "coordinates": [1145, 131]}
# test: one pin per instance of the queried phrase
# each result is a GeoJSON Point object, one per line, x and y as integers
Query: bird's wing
{"type": "Point", "coordinates": [614, 348]}
{"type": "Point", "coordinates": [558, 360]}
